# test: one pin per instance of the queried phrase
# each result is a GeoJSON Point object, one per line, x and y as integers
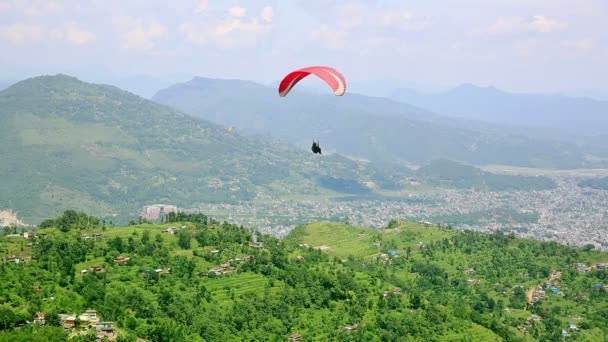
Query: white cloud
{"type": "Point", "coordinates": [5, 6]}
{"type": "Point", "coordinates": [360, 26]}
{"type": "Point", "coordinates": [330, 36]}
{"type": "Point", "coordinates": [42, 8]}
{"type": "Point", "coordinates": [236, 30]}
{"type": "Point", "coordinates": [229, 33]}
{"type": "Point", "coordinates": [22, 33]}
{"type": "Point", "coordinates": [139, 34]}
{"type": "Point", "coordinates": [33, 34]}
{"type": "Point", "coordinates": [537, 24]}
{"type": "Point", "coordinates": [267, 14]}
{"type": "Point", "coordinates": [581, 44]}
{"type": "Point", "coordinates": [405, 20]}
{"type": "Point", "coordinates": [76, 36]}
{"type": "Point", "coordinates": [201, 6]}
{"type": "Point", "coordinates": [31, 8]}
{"type": "Point", "coordinates": [237, 11]}
{"type": "Point", "coordinates": [351, 15]}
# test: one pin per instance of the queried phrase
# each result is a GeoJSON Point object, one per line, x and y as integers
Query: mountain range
{"type": "Point", "coordinates": [371, 128]}
{"type": "Point", "coordinates": [69, 144]}
{"type": "Point", "coordinates": [577, 116]}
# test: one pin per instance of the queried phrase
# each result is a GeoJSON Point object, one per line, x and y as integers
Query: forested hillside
{"type": "Point", "coordinates": [195, 279]}
{"type": "Point", "coordinates": [69, 144]}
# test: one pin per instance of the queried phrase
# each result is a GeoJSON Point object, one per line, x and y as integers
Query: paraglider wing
{"type": "Point", "coordinates": [331, 76]}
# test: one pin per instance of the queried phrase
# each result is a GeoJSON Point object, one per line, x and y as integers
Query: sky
{"type": "Point", "coordinates": [516, 45]}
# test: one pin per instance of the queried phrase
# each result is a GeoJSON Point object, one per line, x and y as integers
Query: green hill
{"type": "Point", "coordinates": [326, 281]}
{"type": "Point", "coordinates": [449, 173]}
{"type": "Point", "coordinates": [376, 129]}
{"type": "Point", "coordinates": [70, 144]}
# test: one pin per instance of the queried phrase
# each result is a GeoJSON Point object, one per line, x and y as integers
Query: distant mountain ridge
{"type": "Point", "coordinates": [371, 128]}
{"type": "Point", "coordinates": [569, 115]}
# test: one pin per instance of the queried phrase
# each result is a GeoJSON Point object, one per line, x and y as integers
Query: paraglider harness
{"type": "Point", "coordinates": [316, 148]}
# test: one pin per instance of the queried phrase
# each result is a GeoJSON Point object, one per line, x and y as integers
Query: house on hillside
{"type": "Point", "coordinates": [295, 337]}
{"type": "Point", "coordinates": [29, 234]}
{"type": "Point", "coordinates": [105, 330]}
{"type": "Point", "coordinates": [473, 281]}
{"type": "Point", "coordinates": [171, 230]}
{"type": "Point", "coordinates": [256, 245]}
{"type": "Point", "coordinates": [121, 260]}
{"type": "Point", "coordinates": [601, 266]}
{"type": "Point", "coordinates": [469, 271]}
{"type": "Point", "coordinates": [351, 328]}
{"type": "Point", "coordinates": [40, 318]}
{"type": "Point", "coordinates": [96, 268]}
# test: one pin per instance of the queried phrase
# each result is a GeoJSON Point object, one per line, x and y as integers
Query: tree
{"type": "Point", "coordinates": [8, 319]}
{"type": "Point", "coordinates": [184, 239]}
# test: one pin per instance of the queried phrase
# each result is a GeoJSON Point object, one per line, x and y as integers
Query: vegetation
{"type": "Point", "coordinates": [449, 173]}
{"type": "Point", "coordinates": [595, 183]}
{"type": "Point", "coordinates": [213, 281]}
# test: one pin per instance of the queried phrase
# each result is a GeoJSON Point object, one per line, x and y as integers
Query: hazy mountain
{"type": "Point", "coordinates": [5, 84]}
{"type": "Point", "coordinates": [372, 128]}
{"type": "Point", "coordinates": [70, 144]}
{"type": "Point", "coordinates": [568, 115]}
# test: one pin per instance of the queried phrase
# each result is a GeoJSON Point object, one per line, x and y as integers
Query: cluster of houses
{"type": "Point", "coordinates": [537, 318]}
{"type": "Point", "coordinates": [228, 267]}
{"type": "Point", "coordinates": [15, 259]}
{"type": "Point", "coordinates": [387, 257]}
{"type": "Point", "coordinates": [94, 268]}
{"type": "Point", "coordinates": [81, 324]}
{"type": "Point", "coordinates": [582, 267]}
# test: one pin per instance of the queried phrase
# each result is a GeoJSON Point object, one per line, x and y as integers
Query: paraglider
{"type": "Point", "coordinates": [331, 76]}
{"type": "Point", "coordinates": [316, 148]}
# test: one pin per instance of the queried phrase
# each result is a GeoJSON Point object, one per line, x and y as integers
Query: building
{"type": "Point", "coordinates": [121, 260]}
{"type": "Point", "coordinates": [40, 318]}
{"type": "Point", "coordinates": [155, 211]}
{"type": "Point", "coordinates": [295, 337]}
{"type": "Point", "coordinates": [171, 230]}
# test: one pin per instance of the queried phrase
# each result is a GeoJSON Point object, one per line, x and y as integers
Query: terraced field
{"type": "Point", "coordinates": [239, 285]}
{"type": "Point", "coordinates": [343, 240]}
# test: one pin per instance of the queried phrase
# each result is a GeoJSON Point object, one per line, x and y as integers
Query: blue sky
{"type": "Point", "coordinates": [519, 45]}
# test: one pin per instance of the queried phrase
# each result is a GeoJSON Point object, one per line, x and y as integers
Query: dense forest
{"type": "Point", "coordinates": [196, 279]}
